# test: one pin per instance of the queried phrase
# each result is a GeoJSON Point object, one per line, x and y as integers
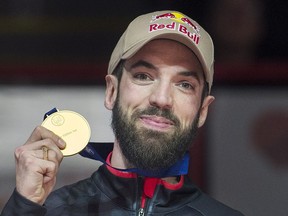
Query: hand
{"type": "Point", "coordinates": [35, 175]}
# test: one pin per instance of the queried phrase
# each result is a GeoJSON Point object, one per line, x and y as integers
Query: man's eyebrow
{"type": "Point", "coordinates": [142, 63]}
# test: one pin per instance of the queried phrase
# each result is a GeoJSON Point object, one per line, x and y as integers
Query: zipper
{"type": "Point", "coordinates": [142, 205]}
{"type": "Point", "coordinates": [141, 212]}
{"type": "Point", "coordinates": [148, 189]}
{"type": "Point", "coordinates": [142, 198]}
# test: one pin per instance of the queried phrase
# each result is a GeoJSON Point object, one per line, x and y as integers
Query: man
{"type": "Point", "coordinates": [158, 88]}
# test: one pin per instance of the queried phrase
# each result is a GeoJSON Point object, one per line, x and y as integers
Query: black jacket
{"type": "Point", "coordinates": [112, 192]}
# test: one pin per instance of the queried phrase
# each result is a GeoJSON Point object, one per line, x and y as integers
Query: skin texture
{"type": "Point", "coordinates": [163, 74]}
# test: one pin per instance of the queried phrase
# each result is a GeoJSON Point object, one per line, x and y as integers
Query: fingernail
{"type": "Point", "coordinates": [62, 143]}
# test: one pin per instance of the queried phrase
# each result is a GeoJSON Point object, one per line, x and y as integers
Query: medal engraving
{"type": "Point", "coordinates": [71, 127]}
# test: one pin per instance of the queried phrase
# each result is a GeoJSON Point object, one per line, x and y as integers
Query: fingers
{"type": "Point", "coordinates": [45, 150]}
{"type": "Point", "coordinates": [35, 177]}
{"type": "Point", "coordinates": [41, 133]}
{"type": "Point", "coordinates": [42, 137]}
{"type": "Point", "coordinates": [49, 154]}
{"type": "Point", "coordinates": [33, 161]}
{"type": "Point", "coordinates": [37, 163]}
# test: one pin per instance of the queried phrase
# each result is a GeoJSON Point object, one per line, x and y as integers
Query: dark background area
{"type": "Point", "coordinates": [69, 42]}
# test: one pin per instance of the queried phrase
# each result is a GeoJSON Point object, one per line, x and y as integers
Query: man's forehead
{"type": "Point", "coordinates": [166, 48]}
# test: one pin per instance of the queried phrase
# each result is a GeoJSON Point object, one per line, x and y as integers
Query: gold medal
{"type": "Point", "coordinates": [72, 127]}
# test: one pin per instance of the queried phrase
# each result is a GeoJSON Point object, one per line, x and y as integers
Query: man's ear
{"type": "Point", "coordinates": [204, 110]}
{"type": "Point", "coordinates": [111, 91]}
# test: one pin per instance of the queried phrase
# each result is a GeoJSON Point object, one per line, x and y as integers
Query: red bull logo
{"type": "Point", "coordinates": [178, 17]}
{"type": "Point", "coordinates": [163, 16]}
{"type": "Point", "coordinates": [178, 20]}
{"type": "Point", "coordinates": [188, 21]}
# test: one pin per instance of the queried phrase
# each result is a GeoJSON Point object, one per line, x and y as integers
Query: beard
{"type": "Point", "coordinates": [148, 149]}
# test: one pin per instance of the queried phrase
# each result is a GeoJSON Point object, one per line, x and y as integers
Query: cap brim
{"type": "Point", "coordinates": [172, 36]}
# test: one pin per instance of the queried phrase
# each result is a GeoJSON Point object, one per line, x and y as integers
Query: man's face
{"type": "Point", "coordinates": [146, 148]}
{"type": "Point", "coordinates": [158, 106]}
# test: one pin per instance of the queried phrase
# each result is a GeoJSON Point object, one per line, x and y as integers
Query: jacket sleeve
{"type": "Point", "coordinates": [18, 205]}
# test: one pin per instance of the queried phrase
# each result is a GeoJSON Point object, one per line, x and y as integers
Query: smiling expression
{"type": "Point", "coordinates": [157, 103]}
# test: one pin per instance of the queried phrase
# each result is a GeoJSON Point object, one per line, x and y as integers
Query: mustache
{"type": "Point", "coordinates": [157, 112]}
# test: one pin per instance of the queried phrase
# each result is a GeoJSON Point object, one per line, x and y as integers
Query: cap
{"type": "Point", "coordinates": [166, 25]}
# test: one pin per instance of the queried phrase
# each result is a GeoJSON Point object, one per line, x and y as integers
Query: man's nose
{"type": "Point", "coordinates": [161, 96]}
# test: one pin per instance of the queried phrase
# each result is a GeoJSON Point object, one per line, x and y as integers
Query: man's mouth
{"type": "Point", "coordinates": [156, 122]}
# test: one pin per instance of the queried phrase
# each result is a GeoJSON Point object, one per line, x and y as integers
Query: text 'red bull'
{"type": "Point", "coordinates": [172, 26]}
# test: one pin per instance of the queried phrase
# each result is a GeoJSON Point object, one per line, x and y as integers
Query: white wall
{"type": "Point", "coordinates": [240, 175]}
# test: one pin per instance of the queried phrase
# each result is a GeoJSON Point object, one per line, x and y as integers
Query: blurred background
{"type": "Point", "coordinates": [55, 54]}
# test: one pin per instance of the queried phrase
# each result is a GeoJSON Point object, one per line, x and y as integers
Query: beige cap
{"type": "Point", "coordinates": [167, 25]}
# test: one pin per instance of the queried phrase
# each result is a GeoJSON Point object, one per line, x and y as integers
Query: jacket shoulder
{"type": "Point", "coordinates": [208, 206]}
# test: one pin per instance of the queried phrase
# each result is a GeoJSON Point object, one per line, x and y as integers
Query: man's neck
{"type": "Point", "coordinates": [118, 161]}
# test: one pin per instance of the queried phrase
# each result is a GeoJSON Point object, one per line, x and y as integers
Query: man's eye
{"type": "Point", "coordinates": [142, 76]}
{"type": "Point", "coordinates": [186, 85]}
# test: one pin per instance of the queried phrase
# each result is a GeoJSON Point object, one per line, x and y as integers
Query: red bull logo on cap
{"type": "Point", "coordinates": [163, 16]}
{"type": "Point", "coordinates": [177, 24]}
{"type": "Point", "coordinates": [178, 17]}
